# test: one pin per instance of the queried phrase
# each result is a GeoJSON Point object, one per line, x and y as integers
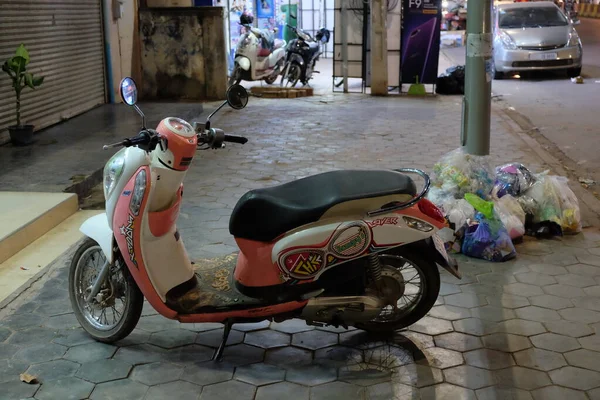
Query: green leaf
{"type": "Point", "coordinates": [18, 63]}
{"type": "Point", "coordinates": [6, 67]}
{"type": "Point", "coordinates": [22, 52]}
{"type": "Point", "coordinates": [29, 80]}
{"type": "Point", "coordinates": [38, 80]}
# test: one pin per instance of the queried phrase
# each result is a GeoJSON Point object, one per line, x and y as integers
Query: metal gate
{"type": "Point", "coordinates": [65, 42]}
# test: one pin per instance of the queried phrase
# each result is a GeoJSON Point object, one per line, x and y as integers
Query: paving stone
{"type": "Point", "coordinates": [140, 354]}
{"type": "Point", "coordinates": [381, 391]}
{"type": "Point", "coordinates": [65, 388]}
{"type": "Point", "coordinates": [593, 291]}
{"type": "Point", "coordinates": [365, 340]}
{"type": "Point", "coordinates": [62, 322]}
{"type": "Point", "coordinates": [31, 336]}
{"type": "Point", "coordinates": [481, 289]}
{"type": "Point", "coordinates": [389, 356]}
{"type": "Point", "coordinates": [157, 323]}
{"type": "Point", "coordinates": [73, 338]}
{"type": "Point", "coordinates": [499, 392]}
{"type": "Point", "coordinates": [522, 378]}
{"type": "Point", "coordinates": [292, 326]}
{"type": "Point", "coordinates": [255, 326]}
{"type": "Point", "coordinates": [231, 389]}
{"type": "Point", "coordinates": [475, 326]}
{"type": "Point", "coordinates": [267, 339]}
{"type": "Point", "coordinates": [202, 327]}
{"type": "Point", "coordinates": [22, 321]}
{"type": "Point", "coordinates": [333, 329]}
{"type": "Point", "coordinates": [40, 353]}
{"type": "Point", "coordinates": [549, 269]}
{"type": "Point", "coordinates": [580, 315]}
{"type": "Point", "coordinates": [591, 342]}
{"type": "Point", "coordinates": [314, 340]}
{"type": "Point", "coordinates": [584, 358]}
{"type": "Point", "coordinates": [594, 394]}
{"type": "Point", "coordinates": [535, 278]}
{"type": "Point", "coordinates": [569, 328]}
{"type": "Point", "coordinates": [7, 350]}
{"type": "Point", "coordinates": [18, 390]}
{"type": "Point", "coordinates": [580, 281]}
{"type": "Point", "coordinates": [496, 279]}
{"type": "Point", "coordinates": [104, 370]}
{"type": "Point", "coordinates": [338, 356]}
{"type": "Point", "coordinates": [420, 340]}
{"type": "Point", "coordinates": [4, 333]}
{"type": "Point", "coordinates": [523, 289]}
{"type": "Point", "coordinates": [207, 373]}
{"type": "Point", "coordinates": [172, 338]}
{"type": "Point", "coordinates": [551, 302]}
{"type": "Point", "coordinates": [488, 359]}
{"type": "Point", "coordinates": [458, 341]}
{"type": "Point", "coordinates": [562, 258]}
{"type": "Point", "coordinates": [508, 301]}
{"type": "Point", "coordinates": [449, 288]}
{"type": "Point", "coordinates": [469, 377]}
{"type": "Point", "coordinates": [367, 375]}
{"type": "Point", "coordinates": [554, 342]}
{"type": "Point", "coordinates": [576, 378]}
{"type": "Point", "coordinates": [589, 259]}
{"type": "Point", "coordinates": [286, 356]}
{"type": "Point", "coordinates": [179, 389]}
{"type": "Point", "coordinates": [584, 269]}
{"type": "Point", "coordinates": [506, 342]}
{"type": "Point", "coordinates": [492, 313]}
{"type": "Point", "coordinates": [90, 352]}
{"type": "Point", "coordinates": [56, 369]}
{"type": "Point", "coordinates": [432, 326]}
{"type": "Point", "coordinates": [539, 359]}
{"type": "Point", "coordinates": [259, 374]}
{"type": "Point", "coordinates": [213, 338]}
{"type": "Point", "coordinates": [466, 300]}
{"type": "Point", "coordinates": [589, 303]}
{"type": "Point", "coordinates": [242, 354]}
{"type": "Point", "coordinates": [337, 390]}
{"type": "Point", "coordinates": [311, 375]}
{"type": "Point", "coordinates": [539, 314]}
{"type": "Point", "coordinates": [156, 373]}
{"type": "Point", "coordinates": [445, 391]}
{"type": "Point", "coordinates": [449, 313]}
{"type": "Point", "coordinates": [520, 327]}
{"type": "Point", "coordinates": [282, 391]}
{"type": "Point", "coordinates": [568, 292]}
{"type": "Point", "coordinates": [440, 358]}
{"type": "Point", "coordinates": [121, 389]}
{"type": "Point", "coordinates": [10, 369]}
{"type": "Point", "coordinates": [189, 354]}
{"type": "Point", "coordinates": [558, 393]}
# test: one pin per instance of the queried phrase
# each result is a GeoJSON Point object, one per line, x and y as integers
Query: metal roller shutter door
{"type": "Point", "coordinates": [65, 42]}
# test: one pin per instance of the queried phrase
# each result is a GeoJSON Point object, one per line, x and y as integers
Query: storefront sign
{"type": "Point", "coordinates": [420, 40]}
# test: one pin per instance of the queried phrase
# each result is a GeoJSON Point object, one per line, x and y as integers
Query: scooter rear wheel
{"type": "Point", "coordinates": [416, 300]}
{"type": "Point", "coordinates": [116, 310]}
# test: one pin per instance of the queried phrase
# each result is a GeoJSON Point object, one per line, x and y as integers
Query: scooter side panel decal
{"type": "Point", "coordinates": [351, 241]}
{"type": "Point", "coordinates": [135, 260]}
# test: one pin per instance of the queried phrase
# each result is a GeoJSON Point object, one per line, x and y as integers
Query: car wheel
{"type": "Point", "coordinates": [574, 72]}
{"type": "Point", "coordinates": [496, 74]}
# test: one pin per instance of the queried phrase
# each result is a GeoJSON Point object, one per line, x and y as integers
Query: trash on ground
{"type": "Point", "coordinates": [452, 81]}
{"type": "Point", "coordinates": [512, 179]}
{"type": "Point", "coordinates": [587, 181]}
{"type": "Point", "coordinates": [24, 268]}
{"type": "Point", "coordinates": [488, 239]}
{"type": "Point", "coordinates": [27, 378]}
{"type": "Point", "coordinates": [577, 79]}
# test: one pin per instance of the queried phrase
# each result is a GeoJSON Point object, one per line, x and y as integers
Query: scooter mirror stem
{"type": "Point", "coordinates": [135, 106]}
{"type": "Point", "coordinates": [213, 113]}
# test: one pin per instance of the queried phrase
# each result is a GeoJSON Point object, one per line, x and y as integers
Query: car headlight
{"type": "Point", "coordinates": [573, 39]}
{"type": "Point", "coordinates": [112, 172]}
{"type": "Point", "coordinates": [507, 41]}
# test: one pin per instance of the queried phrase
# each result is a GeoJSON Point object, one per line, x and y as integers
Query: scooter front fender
{"type": "Point", "coordinates": [426, 248]}
{"type": "Point", "coordinates": [243, 62]}
{"type": "Point", "coordinates": [97, 228]}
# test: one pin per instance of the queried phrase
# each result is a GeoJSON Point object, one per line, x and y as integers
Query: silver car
{"type": "Point", "coordinates": [532, 36]}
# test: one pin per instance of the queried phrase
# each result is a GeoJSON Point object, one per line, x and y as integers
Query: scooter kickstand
{"type": "Point", "coordinates": [219, 352]}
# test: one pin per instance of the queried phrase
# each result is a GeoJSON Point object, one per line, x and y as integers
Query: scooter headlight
{"type": "Point", "coordinates": [112, 172]}
{"type": "Point", "coordinates": [138, 192]}
{"type": "Point", "coordinates": [417, 224]}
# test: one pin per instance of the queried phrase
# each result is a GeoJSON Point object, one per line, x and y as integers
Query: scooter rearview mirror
{"type": "Point", "coordinates": [237, 97]}
{"type": "Point", "coordinates": [129, 93]}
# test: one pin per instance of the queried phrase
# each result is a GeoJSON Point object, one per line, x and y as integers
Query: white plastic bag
{"type": "Point", "coordinates": [511, 214]}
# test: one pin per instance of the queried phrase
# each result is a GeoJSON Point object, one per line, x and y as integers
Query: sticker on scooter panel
{"type": "Point", "coordinates": [351, 241]}
{"type": "Point", "coordinates": [127, 231]}
{"type": "Point", "coordinates": [383, 221]}
{"type": "Point", "coordinates": [303, 264]}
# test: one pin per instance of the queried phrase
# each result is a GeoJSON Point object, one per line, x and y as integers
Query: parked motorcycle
{"type": "Point", "coordinates": [258, 55]}
{"type": "Point", "coordinates": [301, 56]}
{"type": "Point", "coordinates": [342, 248]}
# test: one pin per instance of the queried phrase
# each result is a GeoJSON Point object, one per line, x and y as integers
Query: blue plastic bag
{"type": "Point", "coordinates": [488, 240]}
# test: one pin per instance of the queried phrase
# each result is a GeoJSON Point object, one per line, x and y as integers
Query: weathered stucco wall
{"type": "Point", "coordinates": [183, 53]}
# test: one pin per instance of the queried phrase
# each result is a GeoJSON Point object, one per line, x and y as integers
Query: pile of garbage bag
{"type": "Point", "coordinates": [489, 210]}
{"type": "Point", "coordinates": [452, 81]}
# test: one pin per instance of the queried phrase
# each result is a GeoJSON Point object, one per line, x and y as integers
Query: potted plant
{"type": "Point", "coordinates": [16, 68]}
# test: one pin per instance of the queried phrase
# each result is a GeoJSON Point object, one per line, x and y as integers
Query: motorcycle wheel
{"type": "Point", "coordinates": [115, 312]}
{"type": "Point", "coordinates": [293, 75]}
{"type": "Point", "coordinates": [284, 74]}
{"type": "Point", "coordinates": [421, 282]}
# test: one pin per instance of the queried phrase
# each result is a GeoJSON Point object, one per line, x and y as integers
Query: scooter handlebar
{"type": "Point", "coordinates": [236, 139]}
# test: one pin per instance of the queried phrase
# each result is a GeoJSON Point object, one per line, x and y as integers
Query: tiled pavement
{"type": "Point", "coordinates": [525, 329]}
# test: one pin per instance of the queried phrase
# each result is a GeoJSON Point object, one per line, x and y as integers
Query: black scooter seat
{"type": "Point", "coordinates": [264, 214]}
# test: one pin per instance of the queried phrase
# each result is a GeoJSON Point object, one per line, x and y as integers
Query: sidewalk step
{"type": "Point", "coordinates": [27, 216]}
{"type": "Point", "coordinates": [34, 258]}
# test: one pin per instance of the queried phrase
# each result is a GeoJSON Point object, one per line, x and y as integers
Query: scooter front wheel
{"type": "Point", "coordinates": [114, 312]}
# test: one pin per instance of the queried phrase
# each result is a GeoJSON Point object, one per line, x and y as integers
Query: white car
{"type": "Point", "coordinates": [532, 36]}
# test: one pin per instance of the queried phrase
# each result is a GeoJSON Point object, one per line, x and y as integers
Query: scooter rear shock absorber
{"type": "Point", "coordinates": [375, 267]}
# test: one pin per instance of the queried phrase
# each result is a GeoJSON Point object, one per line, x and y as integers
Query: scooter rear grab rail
{"type": "Point", "coordinates": [412, 202]}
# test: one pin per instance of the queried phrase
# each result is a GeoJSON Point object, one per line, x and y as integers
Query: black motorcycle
{"type": "Point", "coordinates": [302, 53]}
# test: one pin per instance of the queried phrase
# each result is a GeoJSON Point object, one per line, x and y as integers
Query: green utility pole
{"type": "Point", "coordinates": [477, 102]}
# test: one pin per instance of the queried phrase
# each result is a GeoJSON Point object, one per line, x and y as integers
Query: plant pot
{"type": "Point", "coordinates": [21, 135]}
